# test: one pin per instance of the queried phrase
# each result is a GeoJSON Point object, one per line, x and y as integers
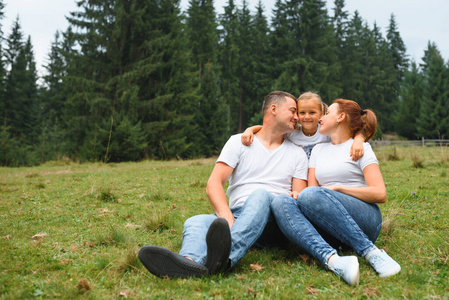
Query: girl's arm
{"type": "Point", "coordinates": [357, 147]}
{"type": "Point", "coordinates": [248, 134]}
{"type": "Point", "coordinates": [297, 186]}
{"type": "Point", "coordinates": [375, 192]}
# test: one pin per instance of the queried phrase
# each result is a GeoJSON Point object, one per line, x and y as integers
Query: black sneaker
{"type": "Point", "coordinates": [218, 240]}
{"type": "Point", "coordinates": [163, 262]}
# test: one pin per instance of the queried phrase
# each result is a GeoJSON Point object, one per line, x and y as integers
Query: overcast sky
{"type": "Point", "coordinates": [418, 21]}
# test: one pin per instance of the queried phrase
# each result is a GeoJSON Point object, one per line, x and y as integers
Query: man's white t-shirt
{"type": "Point", "coordinates": [257, 167]}
{"type": "Point", "coordinates": [333, 165]}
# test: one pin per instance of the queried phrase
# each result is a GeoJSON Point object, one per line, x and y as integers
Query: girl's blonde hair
{"type": "Point", "coordinates": [315, 97]}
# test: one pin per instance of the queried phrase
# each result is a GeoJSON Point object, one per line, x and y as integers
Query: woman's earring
{"type": "Point", "coordinates": [337, 122]}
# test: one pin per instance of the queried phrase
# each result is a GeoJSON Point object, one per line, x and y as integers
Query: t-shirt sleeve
{"type": "Point", "coordinates": [302, 167]}
{"type": "Point", "coordinates": [369, 157]}
{"type": "Point", "coordinates": [294, 137]}
{"type": "Point", "coordinates": [230, 154]}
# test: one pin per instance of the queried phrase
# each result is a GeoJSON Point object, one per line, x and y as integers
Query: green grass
{"type": "Point", "coordinates": [93, 218]}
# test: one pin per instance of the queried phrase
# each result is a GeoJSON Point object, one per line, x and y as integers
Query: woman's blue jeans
{"type": "Point", "coordinates": [250, 221]}
{"type": "Point", "coordinates": [348, 219]}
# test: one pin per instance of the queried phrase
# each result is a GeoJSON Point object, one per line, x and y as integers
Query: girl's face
{"type": "Point", "coordinates": [329, 120]}
{"type": "Point", "coordinates": [309, 113]}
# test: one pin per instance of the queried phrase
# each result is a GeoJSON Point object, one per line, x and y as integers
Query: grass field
{"type": "Point", "coordinates": [72, 230]}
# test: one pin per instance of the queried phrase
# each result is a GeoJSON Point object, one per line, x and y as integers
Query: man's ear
{"type": "Point", "coordinates": [273, 109]}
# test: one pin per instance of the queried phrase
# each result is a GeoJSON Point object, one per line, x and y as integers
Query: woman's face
{"type": "Point", "coordinates": [309, 113]}
{"type": "Point", "coordinates": [329, 120]}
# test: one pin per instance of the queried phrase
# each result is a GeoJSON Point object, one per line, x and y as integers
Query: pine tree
{"type": "Point", "coordinates": [31, 92]}
{"type": "Point", "coordinates": [410, 103]}
{"type": "Point", "coordinates": [2, 70]}
{"type": "Point", "coordinates": [432, 122]}
{"type": "Point", "coordinates": [229, 61]}
{"type": "Point", "coordinates": [261, 67]}
{"type": "Point", "coordinates": [340, 21]}
{"type": "Point", "coordinates": [397, 50]}
{"type": "Point", "coordinates": [380, 93]}
{"type": "Point", "coordinates": [202, 32]}
{"type": "Point", "coordinates": [340, 24]}
{"type": "Point", "coordinates": [167, 83]}
{"type": "Point", "coordinates": [320, 47]}
{"type": "Point", "coordinates": [21, 105]}
{"type": "Point", "coordinates": [53, 99]}
{"type": "Point", "coordinates": [210, 115]}
{"type": "Point", "coordinates": [245, 67]}
{"type": "Point", "coordinates": [4, 134]}
{"type": "Point", "coordinates": [352, 63]}
{"type": "Point", "coordinates": [133, 67]}
{"type": "Point", "coordinates": [314, 65]}
{"type": "Point", "coordinates": [287, 59]}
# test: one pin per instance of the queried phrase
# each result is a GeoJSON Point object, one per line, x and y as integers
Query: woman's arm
{"type": "Point", "coordinates": [297, 186]}
{"type": "Point", "coordinates": [311, 180]}
{"type": "Point", "coordinates": [375, 192]}
{"type": "Point", "coordinates": [248, 134]}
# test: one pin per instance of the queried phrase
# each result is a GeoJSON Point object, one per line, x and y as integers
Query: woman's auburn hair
{"type": "Point", "coordinates": [358, 119]}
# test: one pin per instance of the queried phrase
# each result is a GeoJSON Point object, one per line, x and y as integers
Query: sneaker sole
{"type": "Point", "coordinates": [354, 273]}
{"type": "Point", "coordinates": [218, 240]}
{"type": "Point", "coordinates": [392, 272]}
{"type": "Point", "coordinates": [165, 263]}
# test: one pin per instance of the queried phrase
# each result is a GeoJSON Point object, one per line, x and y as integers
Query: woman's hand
{"type": "Point", "coordinates": [330, 187]}
{"type": "Point", "coordinates": [294, 195]}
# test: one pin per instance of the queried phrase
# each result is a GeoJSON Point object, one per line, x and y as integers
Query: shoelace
{"type": "Point", "coordinates": [338, 272]}
{"type": "Point", "coordinates": [376, 260]}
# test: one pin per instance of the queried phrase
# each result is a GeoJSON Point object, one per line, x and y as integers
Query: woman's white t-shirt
{"type": "Point", "coordinates": [333, 165]}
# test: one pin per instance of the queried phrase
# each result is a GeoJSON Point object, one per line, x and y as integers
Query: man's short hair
{"type": "Point", "coordinates": [276, 97]}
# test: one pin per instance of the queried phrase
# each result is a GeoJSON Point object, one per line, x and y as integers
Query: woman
{"type": "Point", "coordinates": [341, 198]}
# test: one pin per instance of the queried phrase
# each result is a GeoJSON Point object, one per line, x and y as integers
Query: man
{"type": "Point", "coordinates": [270, 166]}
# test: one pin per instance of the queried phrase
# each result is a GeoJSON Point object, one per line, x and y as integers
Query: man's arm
{"type": "Point", "coordinates": [215, 192]}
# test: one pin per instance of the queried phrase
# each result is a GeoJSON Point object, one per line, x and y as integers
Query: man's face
{"type": "Point", "coordinates": [287, 115]}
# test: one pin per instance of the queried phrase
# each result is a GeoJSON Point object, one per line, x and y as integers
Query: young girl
{"type": "Point", "coordinates": [310, 110]}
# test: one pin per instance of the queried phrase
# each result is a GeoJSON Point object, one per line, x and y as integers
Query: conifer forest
{"type": "Point", "coordinates": [142, 79]}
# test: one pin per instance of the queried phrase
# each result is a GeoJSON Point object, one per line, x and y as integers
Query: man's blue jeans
{"type": "Point", "coordinates": [250, 221]}
{"type": "Point", "coordinates": [348, 219]}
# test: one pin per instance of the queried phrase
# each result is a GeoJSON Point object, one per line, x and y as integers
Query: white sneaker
{"type": "Point", "coordinates": [383, 263]}
{"type": "Point", "coordinates": [346, 267]}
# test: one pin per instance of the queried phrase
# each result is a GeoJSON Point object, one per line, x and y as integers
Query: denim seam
{"type": "Point", "coordinates": [324, 256]}
{"type": "Point", "coordinates": [345, 214]}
